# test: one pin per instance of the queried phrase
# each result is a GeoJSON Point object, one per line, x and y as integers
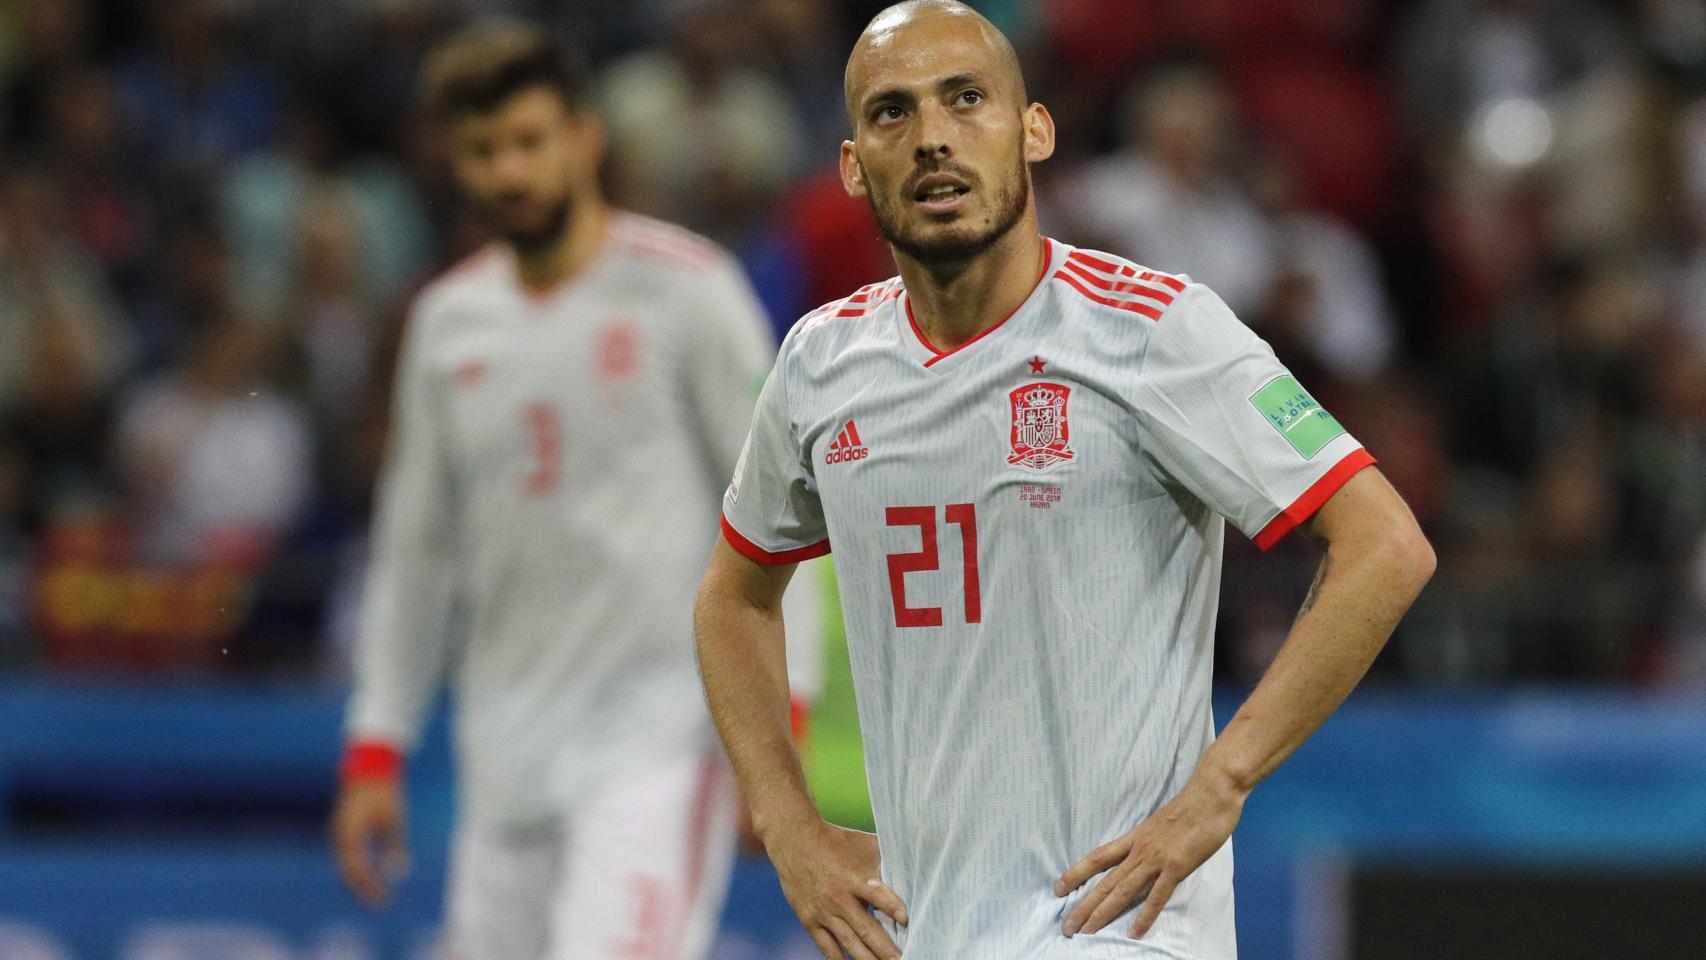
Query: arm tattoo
{"type": "Point", "coordinates": [1320, 576]}
{"type": "Point", "coordinates": [1315, 588]}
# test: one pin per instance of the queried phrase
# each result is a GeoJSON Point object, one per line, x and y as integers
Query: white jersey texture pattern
{"type": "Point", "coordinates": [1027, 533]}
{"type": "Point", "coordinates": [554, 473]}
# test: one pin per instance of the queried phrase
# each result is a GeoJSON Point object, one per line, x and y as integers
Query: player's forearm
{"type": "Point", "coordinates": [743, 666]}
{"type": "Point", "coordinates": [403, 647]}
{"type": "Point", "coordinates": [1362, 589]}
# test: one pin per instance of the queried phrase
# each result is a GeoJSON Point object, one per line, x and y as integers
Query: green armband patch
{"type": "Point", "coordinates": [1295, 414]}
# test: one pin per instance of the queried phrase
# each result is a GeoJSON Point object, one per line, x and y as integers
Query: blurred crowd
{"type": "Point", "coordinates": [1475, 228]}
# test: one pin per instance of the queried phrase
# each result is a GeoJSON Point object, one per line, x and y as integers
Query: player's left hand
{"type": "Point", "coordinates": [1153, 859]}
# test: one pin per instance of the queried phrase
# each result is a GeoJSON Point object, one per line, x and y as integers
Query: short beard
{"type": "Point", "coordinates": [955, 248]}
{"type": "Point", "coordinates": [541, 238]}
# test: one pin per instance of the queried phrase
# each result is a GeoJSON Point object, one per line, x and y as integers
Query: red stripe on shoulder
{"type": "Point", "coordinates": [674, 254]}
{"type": "Point", "coordinates": [862, 301]}
{"type": "Point", "coordinates": [769, 558]}
{"type": "Point", "coordinates": [1115, 286]}
{"type": "Point", "coordinates": [1127, 270]}
{"type": "Point", "coordinates": [464, 266]}
{"type": "Point", "coordinates": [1135, 306]}
{"type": "Point", "coordinates": [666, 241]}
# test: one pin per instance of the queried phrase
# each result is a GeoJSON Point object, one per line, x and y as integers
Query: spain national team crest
{"type": "Point", "coordinates": [1041, 437]}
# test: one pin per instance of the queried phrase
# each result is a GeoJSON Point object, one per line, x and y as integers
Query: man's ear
{"type": "Point", "coordinates": [1039, 133]}
{"type": "Point", "coordinates": [589, 131]}
{"type": "Point", "coordinates": [852, 173]}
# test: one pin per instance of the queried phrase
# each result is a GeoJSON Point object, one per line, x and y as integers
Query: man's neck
{"type": "Point", "coordinates": [953, 305]}
{"type": "Point", "coordinates": [541, 270]}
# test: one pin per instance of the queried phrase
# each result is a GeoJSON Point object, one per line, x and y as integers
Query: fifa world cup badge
{"type": "Point", "coordinates": [1041, 437]}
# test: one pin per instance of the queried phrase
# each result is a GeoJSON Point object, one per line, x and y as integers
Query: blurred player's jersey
{"type": "Point", "coordinates": [555, 467]}
{"type": "Point", "coordinates": [1027, 538]}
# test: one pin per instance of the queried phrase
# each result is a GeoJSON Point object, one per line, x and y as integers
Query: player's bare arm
{"type": "Point", "coordinates": [1376, 562]}
{"type": "Point", "coordinates": [829, 874]}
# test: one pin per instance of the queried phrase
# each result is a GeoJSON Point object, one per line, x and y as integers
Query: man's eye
{"type": "Point", "coordinates": [890, 112]}
{"type": "Point", "coordinates": [971, 98]}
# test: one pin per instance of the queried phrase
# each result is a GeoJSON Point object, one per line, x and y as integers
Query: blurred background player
{"type": "Point", "coordinates": [1024, 455]}
{"type": "Point", "coordinates": [568, 401]}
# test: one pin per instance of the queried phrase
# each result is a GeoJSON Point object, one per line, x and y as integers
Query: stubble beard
{"type": "Point", "coordinates": [538, 239]}
{"type": "Point", "coordinates": [957, 246]}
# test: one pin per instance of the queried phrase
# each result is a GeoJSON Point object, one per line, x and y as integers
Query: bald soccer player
{"type": "Point", "coordinates": [1024, 456]}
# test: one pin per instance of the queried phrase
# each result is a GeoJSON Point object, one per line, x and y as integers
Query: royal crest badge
{"type": "Point", "coordinates": [1041, 436]}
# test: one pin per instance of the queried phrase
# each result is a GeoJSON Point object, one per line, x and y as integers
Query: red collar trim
{"type": "Point", "coordinates": [1048, 258]}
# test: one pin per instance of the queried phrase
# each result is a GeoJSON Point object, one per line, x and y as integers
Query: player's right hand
{"type": "Point", "coordinates": [369, 838]}
{"type": "Point", "coordinates": [829, 874]}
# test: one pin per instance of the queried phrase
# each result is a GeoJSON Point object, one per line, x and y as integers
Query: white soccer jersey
{"type": "Point", "coordinates": [555, 465]}
{"type": "Point", "coordinates": [1027, 536]}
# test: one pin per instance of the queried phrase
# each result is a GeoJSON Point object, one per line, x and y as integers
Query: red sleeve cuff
{"type": "Point", "coordinates": [1318, 493]}
{"type": "Point", "coordinates": [758, 554]}
{"type": "Point", "coordinates": [370, 760]}
{"type": "Point", "coordinates": [798, 716]}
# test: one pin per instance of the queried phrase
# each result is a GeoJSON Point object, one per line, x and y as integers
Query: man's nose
{"type": "Point", "coordinates": [510, 166]}
{"type": "Point", "coordinates": [933, 135]}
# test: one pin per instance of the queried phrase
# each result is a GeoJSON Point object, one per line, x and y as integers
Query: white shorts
{"type": "Point", "coordinates": [637, 873]}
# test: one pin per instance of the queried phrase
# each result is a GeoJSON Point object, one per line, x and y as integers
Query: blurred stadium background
{"type": "Point", "coordinates": [1477, 229]}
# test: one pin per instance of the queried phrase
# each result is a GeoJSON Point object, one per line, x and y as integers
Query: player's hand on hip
{"type": "Point", "coordinates": [829, 875]}
{"type": "Point", "coordinates": [369, 838]}
{"type": "Point", "coordinates": [1152, 860]}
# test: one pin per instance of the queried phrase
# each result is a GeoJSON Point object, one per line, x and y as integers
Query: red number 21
{"type": "Point", "coordinates": [964, 515]}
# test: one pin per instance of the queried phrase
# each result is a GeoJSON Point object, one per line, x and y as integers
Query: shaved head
{"type": "Point", "coordinates": [943, 133]}
{"type": "Point", "coordinates": [918, 22]}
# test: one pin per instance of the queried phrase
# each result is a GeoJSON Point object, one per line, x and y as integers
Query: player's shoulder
{"type": "Point", "coordinates": [834, 322]}
{"type": "Point", "coordinates": [664, 249]}
{"type": "Point", "coordinates": [1108, 285]}
{"type": "Point", "coordinates": [469, 281]}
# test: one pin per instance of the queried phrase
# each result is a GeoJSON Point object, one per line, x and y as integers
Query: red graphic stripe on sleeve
{"type": "Point", "coordinates": [853, 434]}
{"type": "Point", "coordinates": [669, 241]}
{"type": "Point", "coordinates": [1115, 286]}
{"type": "Point", "coordinates": [758, 554]}
{"type": "Point", "coordinates": [859, 304]}
{"type": "Point", "coordinates": [1148, 276]}
{"type": "Point", "coordinates": [1318, 493]}
{"type": "Point", "coordinates": [1132, 305]}
{"type": "Point", "coordinates": [672, 252]}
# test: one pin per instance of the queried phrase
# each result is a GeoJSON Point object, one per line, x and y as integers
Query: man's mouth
{"type": "Point", "coordinates": [940, 192]}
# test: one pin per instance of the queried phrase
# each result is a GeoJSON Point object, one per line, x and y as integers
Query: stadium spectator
{"type": "Point", "coordinates": [264, 198]}
{"type": "Point", "coordinates": [193, 104]}
{"type": "Point", "coordinates": [46, 277]}
{"type": "Point", "coordinates": [701, 138]}
{"type": "Point", "coordinates": [52, 39]}
{"type": "Point", "coordinates": [215, 462]}
{"type": "Point", "coordinates": [1169, 199]}
{"type": "Point", "coordinates": [1327, 296]}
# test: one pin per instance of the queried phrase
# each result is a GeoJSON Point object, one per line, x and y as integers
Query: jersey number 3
{"type": "Point", "coordinates": [545, 441]}
{"type": "Point", "coordinates": [963, 515]}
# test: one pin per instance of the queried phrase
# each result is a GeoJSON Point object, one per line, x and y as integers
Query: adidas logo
{"type": "Point", "coordinates": [847, 447]}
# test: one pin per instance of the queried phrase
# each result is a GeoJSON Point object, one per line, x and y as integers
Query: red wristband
{"type": "Point", "coordinates": [797, 717]}
{"type": "Point", "coordinates": [370, 760]}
